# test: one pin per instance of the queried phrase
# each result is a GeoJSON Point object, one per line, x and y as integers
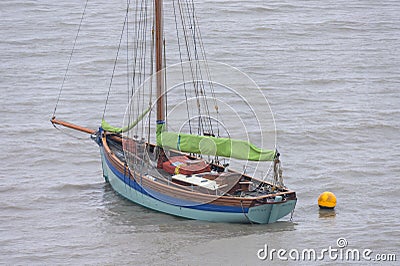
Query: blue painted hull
{"type": "Point", "coordinates": [131, 190]}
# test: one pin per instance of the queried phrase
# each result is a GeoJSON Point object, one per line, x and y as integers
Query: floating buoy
{"type": "Point", "coordinates": [327, 200]}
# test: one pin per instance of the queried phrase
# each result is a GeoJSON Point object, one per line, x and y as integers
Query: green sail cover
{"type": "Point", "coordinates": [206, 145]}
{"type": "Point", "coordinates": [107, 127]}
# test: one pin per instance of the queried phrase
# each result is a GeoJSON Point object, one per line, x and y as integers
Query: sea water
{"type": "Point", "coordinates": [330, 71]}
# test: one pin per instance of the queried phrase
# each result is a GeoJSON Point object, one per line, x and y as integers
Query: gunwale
{"type": "Point", "coordinates": [184, 194]}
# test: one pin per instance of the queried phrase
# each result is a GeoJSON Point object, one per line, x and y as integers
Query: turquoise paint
{"type": "Point", "coordinates": [258, 214]}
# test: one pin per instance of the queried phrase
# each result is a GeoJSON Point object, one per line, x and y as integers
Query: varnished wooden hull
{"type": "Point", "coordinates": [193, 205]}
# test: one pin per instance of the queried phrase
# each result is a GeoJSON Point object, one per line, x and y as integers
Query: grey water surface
{"type": "Point", "coordinates": [330, 71]}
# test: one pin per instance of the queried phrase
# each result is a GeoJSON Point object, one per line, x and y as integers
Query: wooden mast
{"type": "Point", "coordinates": [159, 60]}
{"type": "Point", "coordinates": [159, 40]}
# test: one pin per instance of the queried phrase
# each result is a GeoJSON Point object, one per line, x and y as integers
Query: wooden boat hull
{"type": "Point", "coordinates": [131, 190]}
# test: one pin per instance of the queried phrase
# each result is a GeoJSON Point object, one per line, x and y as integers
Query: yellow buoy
{"type": "Point", "coordinates": [327, 200]}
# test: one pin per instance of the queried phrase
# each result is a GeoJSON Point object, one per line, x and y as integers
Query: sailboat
{"type": "Point", "coordinates": [173, 154]}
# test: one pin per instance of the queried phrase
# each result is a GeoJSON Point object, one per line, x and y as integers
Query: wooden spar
{"type": "Point", "coordinates": [53, 120]}
{"type": "Point", "coordinates": [159, 59]}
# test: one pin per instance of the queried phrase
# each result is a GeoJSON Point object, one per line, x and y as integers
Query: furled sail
{"type": "Point", "coordinates": [207, 145]}
{"type": "Point", "coordinates": [107, 127]}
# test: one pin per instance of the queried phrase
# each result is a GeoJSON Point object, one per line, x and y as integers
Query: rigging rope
{"type": "Point", "coordinates": [151, 80]}
{"type": "Point", "coordinates": [183, 75]}
{"type": "Point", "coordinates": [70, 57]}
{"type": "Point", "coordinates": [195, 53]}
{"type": "Point", "coordinates": [127, 54]}
{"type": "Point", "coordinates": [186, 36]}
{"type": "Point", "coordinates": [208, 75]}
{"type": "Point", "coordinates": [140, 51]}
{"type": "Point", "coordinates": [115, 61]}
{"type": "Point", "coordinates": [199, 75]}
